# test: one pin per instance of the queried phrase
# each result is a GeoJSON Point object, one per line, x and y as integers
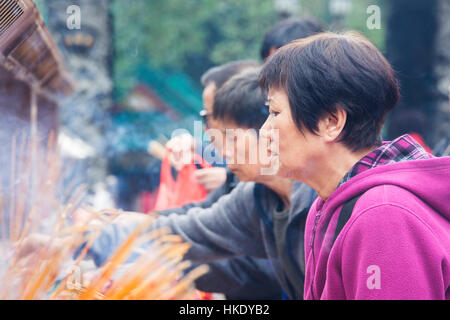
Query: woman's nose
{"type": "Point", "coordinates": [267, 128]}
{"type": "Point", "coordinates": [266, 124]}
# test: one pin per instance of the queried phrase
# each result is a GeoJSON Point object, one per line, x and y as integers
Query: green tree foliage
{"type": "Point", "coordinates": [190, 35]}
{"type": "Point", "coordinates": [357, 18]}
{"type": "Point", "coordinates": [193, 35]}
{"type": "Point", "coordinates": [170, 30]}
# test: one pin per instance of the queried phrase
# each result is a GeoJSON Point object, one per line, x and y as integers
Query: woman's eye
{"type": "Point", "coordinates": [274, 113]}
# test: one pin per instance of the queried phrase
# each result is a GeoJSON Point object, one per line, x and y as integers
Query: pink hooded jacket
{"type": "Point", "coordinates": [396, 244]}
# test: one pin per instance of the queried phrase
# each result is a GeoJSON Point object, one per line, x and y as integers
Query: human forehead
{"type": "Point", "coordinates": [209, 92]}
{"type": "Point", "coordinates": [209, 88]}
{"type": "Point", "coordinates": [275, 95]}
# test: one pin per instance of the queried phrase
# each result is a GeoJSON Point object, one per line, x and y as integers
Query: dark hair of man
{"type": "Point", "coordinates": [288, 30]}
{"type": "Point", "coordinates": [328, 70]}
{"type": "Point", "coordinates": [240, 100]}
{"type": "Point", "coordinates": [220, 74]}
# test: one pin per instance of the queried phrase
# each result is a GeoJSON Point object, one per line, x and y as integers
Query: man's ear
{"type": "Point", "coordinates": [331, 124]}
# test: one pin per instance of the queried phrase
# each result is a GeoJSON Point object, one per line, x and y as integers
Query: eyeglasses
{"type": "Point", "coordinates": [204, 114]}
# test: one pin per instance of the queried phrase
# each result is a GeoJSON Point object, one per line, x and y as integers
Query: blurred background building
{"type": "Point", "coordinates": [33, 82]}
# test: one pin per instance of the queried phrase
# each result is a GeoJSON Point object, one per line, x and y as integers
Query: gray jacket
{"type": "Point", "coordinates": [238, 224]}
{"type": "Point", "coordinates": [239, 278]}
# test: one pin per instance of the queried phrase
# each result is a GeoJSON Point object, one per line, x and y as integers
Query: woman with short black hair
{"type": "Point", "coordinates": [380, 227]}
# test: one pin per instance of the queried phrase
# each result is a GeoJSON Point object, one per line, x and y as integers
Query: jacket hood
{"type": "Point", "coordinates": [428, 179]}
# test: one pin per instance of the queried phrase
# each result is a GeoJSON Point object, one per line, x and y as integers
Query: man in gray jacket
{"type": "Point", "coordinates": [239, 277]}
{"type": "Point", "coordinates": [262, 219]}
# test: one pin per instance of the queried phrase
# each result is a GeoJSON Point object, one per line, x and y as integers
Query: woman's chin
{"type": "Point", "coordinates": [272, 167]}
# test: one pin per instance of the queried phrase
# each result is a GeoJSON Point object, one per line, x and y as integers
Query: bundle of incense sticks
{"type": "Point", "coordinates": [156, 274]}
{"type": "Point", "coordinates": [39, 238]}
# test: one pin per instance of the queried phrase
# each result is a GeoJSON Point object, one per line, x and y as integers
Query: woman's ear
{"type": "Point", "coordinates": [331, 125]}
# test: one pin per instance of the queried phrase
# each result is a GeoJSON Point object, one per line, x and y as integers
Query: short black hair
{"type": "Point", "coordinates": [288, 30]}
{"type": "Point", "coordinates": [220, 74]}
{"type": "Point", "coordinates": [241, 101]}
{"type": "Point", "coordinates": [329, 70]}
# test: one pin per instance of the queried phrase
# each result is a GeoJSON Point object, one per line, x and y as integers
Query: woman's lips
{"type": "Point", "coordinates": [271, 150]}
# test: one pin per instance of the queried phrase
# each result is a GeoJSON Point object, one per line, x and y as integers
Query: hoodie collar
{"type": "Point", "coordinates": [404, 148]}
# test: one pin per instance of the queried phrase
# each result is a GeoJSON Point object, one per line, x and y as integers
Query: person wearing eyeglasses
{"type": "Point", "coordinates": [239, 278]}
{"type": "Point", "coordinates": [218, 180]}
